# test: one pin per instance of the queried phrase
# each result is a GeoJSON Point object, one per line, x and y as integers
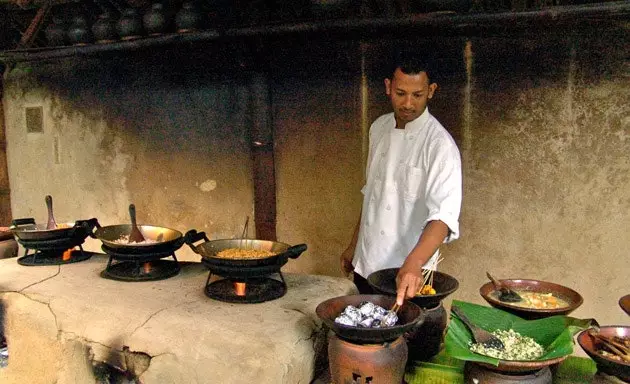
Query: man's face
{"type": "Point", "coordinates": [409, 95]}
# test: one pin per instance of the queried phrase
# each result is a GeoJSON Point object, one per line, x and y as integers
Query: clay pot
{"type": "Point", "coordinates": [425, 340]}
{"type": "Point", "coordinates": [155, 21]}
{"type": "Point", "coordinates": [188, 18]}
{"type": "Point", "coordinates": [104, 29]}
{"type": "Point", "coordinates": [78, 33]}
{"type": "Point", "coordinates": [55, 33]}
{"type": "Point", "coordinates": [129, 25]}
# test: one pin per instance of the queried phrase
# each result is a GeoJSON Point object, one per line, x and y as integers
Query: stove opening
{"type": "Point", "coordinates": [146, 268]}
{"type": "Point", "coordinates": [240, 288]}
{"type": "Point", "coordinates": [67, 255]}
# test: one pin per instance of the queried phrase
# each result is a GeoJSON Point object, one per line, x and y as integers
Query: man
{"type": "Point", "coordinates": [413, 191]}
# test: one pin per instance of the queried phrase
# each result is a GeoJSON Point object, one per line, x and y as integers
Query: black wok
{"type": "Point", "coordinates": [384, 281]}
{"type": "Point", "coordinates": [209, 249]}
{"type": "Point", "coordinates": [158, 239]}
{"type": "Point", "coordinates": [26, 230]}
{"type": "Point", "coordinates": [409, 316]}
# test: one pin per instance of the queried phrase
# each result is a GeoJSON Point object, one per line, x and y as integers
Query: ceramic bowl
{"type": "Point", "coordinates": [605, 364]}
{"type": "Point", "coordinates": [624, 303]}
{"type": "Point", "coordinates": [490, 294]}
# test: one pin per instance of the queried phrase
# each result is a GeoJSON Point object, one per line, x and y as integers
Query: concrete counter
{"type": "Point", "coordinates": [59, 320]}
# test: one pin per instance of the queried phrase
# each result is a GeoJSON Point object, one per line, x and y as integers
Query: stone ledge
{"type": "Point", "coordinates": [61, 318]}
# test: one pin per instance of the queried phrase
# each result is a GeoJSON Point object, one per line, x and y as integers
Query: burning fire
{"type": "Point", "coordinates": [239, 288]}
{"type": "Point", "coordinates": [146, 267]}
{"type": "Point", "coordinates": [67, 255]}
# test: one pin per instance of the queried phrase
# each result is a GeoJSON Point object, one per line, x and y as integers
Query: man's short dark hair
{"type": "Point", "coordinates": [412, 63]}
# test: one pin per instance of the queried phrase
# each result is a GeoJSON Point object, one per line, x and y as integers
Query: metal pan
{"type": "Point", "coordinates": [159, 239]}
{"type": "Point", "coordinates": [28, 231]}
{"type": "Point", "coordinates": [409, 316]}
{"type": "Point", "coordinates": [209, 249]}
{"type": "Point", "coordinates": [384, 281]}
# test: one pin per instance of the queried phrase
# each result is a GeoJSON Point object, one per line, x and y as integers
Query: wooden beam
{"type": "Point", "coordinates": [5, 190]}
{"type": "Point", "coordinates": [36, 24]}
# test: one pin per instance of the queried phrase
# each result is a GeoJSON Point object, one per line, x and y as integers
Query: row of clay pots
{"type": "Point", "coordinates": [130, 25]}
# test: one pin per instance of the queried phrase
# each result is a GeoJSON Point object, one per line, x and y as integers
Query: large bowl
{"type": "Point", "coordinates": [624, 303]}
{"type": "Point", "coordinates": [612, 367]}
{"type": "Point", "coordinates": [409, 315]}
{"type": "Point", "coordinates": [384, 282]}
{"type": "Point", "coordinates": [490, 294]}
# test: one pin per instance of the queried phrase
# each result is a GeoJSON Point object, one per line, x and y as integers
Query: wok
{"type": "Point", "coordinates": [384, 281]}
{"type": "Point", "coordinates": [159, 239]}
{"type": "Point", "coordinates": [27, 230]}
{"type": "Point", "coordinates": [409, 316]}
{"type": "Point", "coordinates": [209, 249]}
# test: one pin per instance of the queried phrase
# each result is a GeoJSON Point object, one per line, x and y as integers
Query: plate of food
{"type": "Point", "coordinates": [530, 345]}
{"type": "Point", "coordinates": [539, 298]}
{"type": "Point", "coordinates": [609, 347]}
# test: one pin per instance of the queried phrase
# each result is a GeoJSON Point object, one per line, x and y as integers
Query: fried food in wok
{"type": "Point", "coordinates": [240, 253]}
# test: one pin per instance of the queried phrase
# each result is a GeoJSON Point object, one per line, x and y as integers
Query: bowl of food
{"type": "Point", "coordinates": [442, 285]}
{"type": "Point", "coordinates": [527, 345]}
{"type": "Point", "coordinates": [540, 299]}
{"type": "Point", "coordinates": [366, 312]}
{"type": "Point", "coordinates": [597, 344]}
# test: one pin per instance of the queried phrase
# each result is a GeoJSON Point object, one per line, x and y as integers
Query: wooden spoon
{"type": "Point", "coordinates": [135, 236]}
{"type": "Point", "coordinates": [505, 294]}
{"type": "Point", "coordinates": [480, 335]}
{"type": "Point", "coordinates": [51, 219]}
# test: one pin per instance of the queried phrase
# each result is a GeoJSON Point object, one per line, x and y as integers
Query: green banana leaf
{"type": "Point", "coordinates": [554, 334]}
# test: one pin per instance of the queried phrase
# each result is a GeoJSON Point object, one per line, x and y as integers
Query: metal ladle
{"type": "Point", "coordinates": [505, 294]}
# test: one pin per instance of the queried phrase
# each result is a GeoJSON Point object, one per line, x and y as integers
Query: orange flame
{"type": "Point", "coordinates": [67, 255]}
{"type": "Point", "coordinates": [146, 267]}
{"type": "Point", "coordinates": [239, 288]}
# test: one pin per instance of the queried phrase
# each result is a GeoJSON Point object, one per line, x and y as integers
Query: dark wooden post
{"type": "Point", "coordinates": [262, 145]}
{"type": "Point", "coordinates": [5, 191]}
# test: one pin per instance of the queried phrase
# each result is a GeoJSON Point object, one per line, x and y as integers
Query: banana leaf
{"type": "Point", "coordinates": [554, 334]}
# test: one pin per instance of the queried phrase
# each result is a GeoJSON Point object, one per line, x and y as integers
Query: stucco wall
{"type": "Point", "coordinates": [542, 125]}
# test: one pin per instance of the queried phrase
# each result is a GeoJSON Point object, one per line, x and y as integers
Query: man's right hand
{"type": "Point", "coordinates": [346, 261]}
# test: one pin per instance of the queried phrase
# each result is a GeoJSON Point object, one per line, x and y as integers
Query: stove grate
{"type": "Point", "coordinates": [135, 270]}
{"type": "Point", "coordinates": [257, 290]}
{"type": "Point", "coordinates": [53, 257]}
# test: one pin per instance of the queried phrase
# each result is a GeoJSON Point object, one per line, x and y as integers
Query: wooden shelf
{"type": "Point", "coordinates": [482, 24]}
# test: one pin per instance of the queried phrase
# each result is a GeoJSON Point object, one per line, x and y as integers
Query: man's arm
{"type": "Point", "coordinates": [409, 276]}
{"type": "Point", "coordinates": [348, 254]}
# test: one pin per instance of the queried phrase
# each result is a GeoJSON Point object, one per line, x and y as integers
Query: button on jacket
{"type": "Point", "coordinates": [413, 176]}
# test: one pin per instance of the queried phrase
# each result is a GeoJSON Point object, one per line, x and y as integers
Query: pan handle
{"type": "Point", "coordinates": [295, 251]}
{"type": "Point", "coordinates": [192, 236]}
{"type": "Point", "coordinates": [25, 221]}
{"type": "Point", "coordinates": [89, 226]}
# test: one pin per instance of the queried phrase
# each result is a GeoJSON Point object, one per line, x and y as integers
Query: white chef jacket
{"type": "Point", "coordinates": [413, 176]}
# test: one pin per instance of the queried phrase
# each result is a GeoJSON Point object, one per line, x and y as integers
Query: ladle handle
{"type": "Point", "coordinates": [132, 215]}
{"type": "Point", "coordinates": [51, 224]}
{"type": "Point", "coordinates": [496, 283]}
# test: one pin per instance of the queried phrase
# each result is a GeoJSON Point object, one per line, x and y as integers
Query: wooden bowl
{"type": "Point", "coordinates": [574, 299]}
{"type": "Point", "coordinates": [607, 365]}
{"type": "Point", "coordinates": [624, 303]}
{"type": "Point", "coordinates": [518, 366]}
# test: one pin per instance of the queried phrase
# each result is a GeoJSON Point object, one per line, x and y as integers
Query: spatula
{"type": "Point", "coordinates": [135, 236]}
{"type": "Point", "coordinates": [480, 335]}
{"type": "Point", "coordinates": [505, 294]}
{"type": "Point", "coordinates": [51, 224]}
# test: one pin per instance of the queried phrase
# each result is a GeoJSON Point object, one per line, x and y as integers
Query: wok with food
{"type": "Point", "coordinates": [156, 239]}
{"type": "Point", "coordinates": [242, 252]}
{"type": "Point", "coordinates": [609, 347]}
{"type": "Point", "coordinates": [26, 230]}
{"type": "Point", "coordinates": [539, 298]}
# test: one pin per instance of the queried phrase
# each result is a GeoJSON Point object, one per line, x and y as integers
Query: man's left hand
{"type": "Point", "coordinates": [408, 281]}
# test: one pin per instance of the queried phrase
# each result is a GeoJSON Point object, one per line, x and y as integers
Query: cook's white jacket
{"type": "Point", "coordinates": [398, 202]}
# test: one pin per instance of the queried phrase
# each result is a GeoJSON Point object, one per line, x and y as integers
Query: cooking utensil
{"type": "Point", "coordinates": [593, 348]}
{"type": "Point", "coordinates": [480, 335]}
{"type": "Point", "coordinates": [135, 236]}
{"type": "Point", "coordinates": [574, 299]}
{"type": "Point", "coordinates": [505, 294]}
{"type": "Point", "coordinates": [384, 282]}
{"type": "Point", "coordinates": [410, 315]}
{"type": "Point", "coordinates": [27, 231]}
{"type": "Point", "coordinates": [51, 224]}
{"type": "Point", "coordinates": [624, 303]}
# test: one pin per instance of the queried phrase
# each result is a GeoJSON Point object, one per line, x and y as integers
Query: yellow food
{"type": "Point", "coordinates": [239, 253]}
{"type": "Point", "coordinates": [537, 300]}
{"type": "Point", "coordinates": [426, 290]}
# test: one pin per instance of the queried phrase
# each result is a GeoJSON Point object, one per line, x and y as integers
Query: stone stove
{"type": "Point", "coordinates": [62, 319]}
